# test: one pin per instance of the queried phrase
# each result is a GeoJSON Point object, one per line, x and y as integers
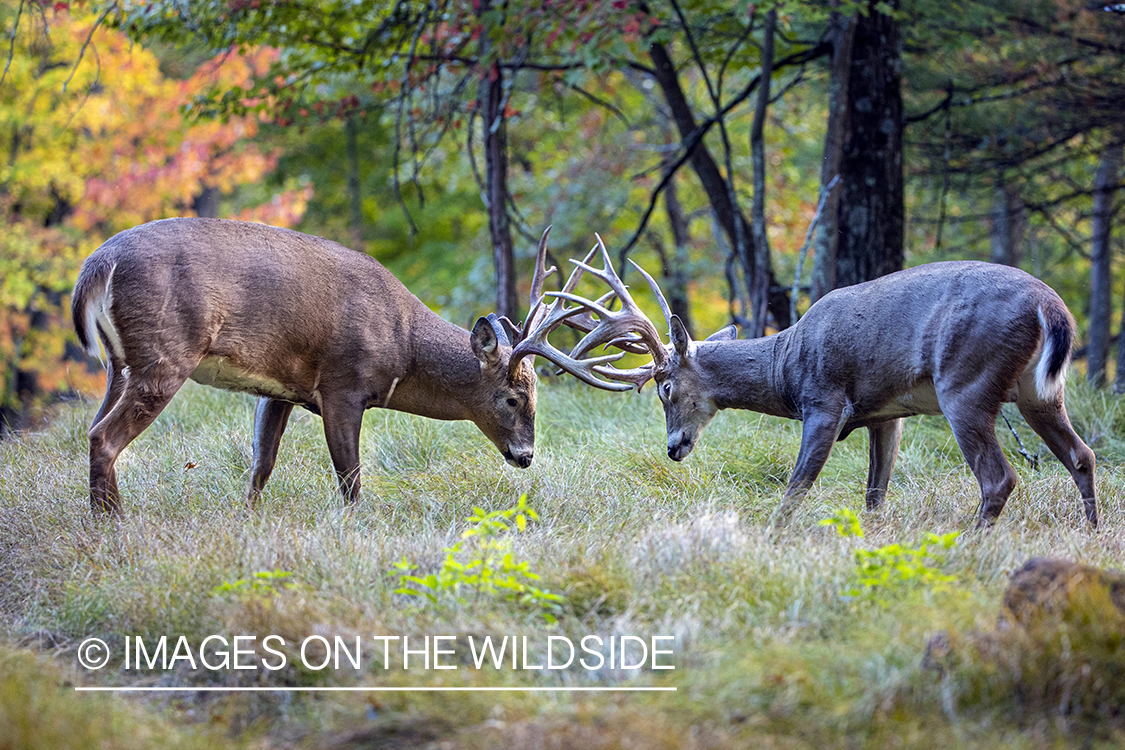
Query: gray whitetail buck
{"type": "Point", "coordinates": [296, 320]}
{"type": "Point", "coordinates": [954, 338]}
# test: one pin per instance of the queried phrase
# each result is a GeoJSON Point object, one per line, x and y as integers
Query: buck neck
{"type": "Point", "coordinates": [443, 375]}
{"type": "Point", "coordinates": [745, 374]}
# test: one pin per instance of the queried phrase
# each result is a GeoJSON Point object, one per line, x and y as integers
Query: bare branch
{"type": "Point", "coordinates": [85, 44]}
{"type": "Point", "coordinates": [592, 98]}
{"type": "Point", "coordinates": [690, 143]}
{"type": "Point", "coordinates": [825, 191]}
{"type": "Point", "coordinates": [12, 43]}
{"type": "Point", "coordinates": [403, 94]}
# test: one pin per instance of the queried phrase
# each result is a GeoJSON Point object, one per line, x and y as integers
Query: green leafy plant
{"type": "Point", "coordinates": [482, 564]}
{"type": "Point", "coordinates": [262, 584]}
{"type": "Point", "coordinates": [894, 565]}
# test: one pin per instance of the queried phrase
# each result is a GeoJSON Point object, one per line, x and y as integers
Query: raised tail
{"type": "Point", "coordinates": [1058, 336]}
{"type": "Point", "coordinates": [90, 306]}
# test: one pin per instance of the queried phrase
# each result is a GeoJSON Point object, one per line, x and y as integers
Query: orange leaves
{"type": "Point", "coordinates": [100, 141]}
{"type": "Point", "coordinates": [157, 159]}
{"type": "Point", "coordinates": [284, 210]}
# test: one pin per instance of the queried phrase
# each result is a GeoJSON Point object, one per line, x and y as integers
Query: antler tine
{"type": "Point", "coordinates": [637, 376]}
{"type": "Point", "coordinates": [616, 325]}
{"type": "Point", "coordinates": [581, 268]}
{"type": "Point", "coordinates": [536, 343]}
{"type": "Point", "coordinates": [536, 309]}
{"type": "Point", "coordinates": [664, 306]}
{"type": "Point", "coordinates": [541, 270]}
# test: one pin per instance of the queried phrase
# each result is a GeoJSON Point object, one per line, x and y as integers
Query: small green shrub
{"type": "Point", "coordinates": [893, 565]}
{"type": "Point", "coordinates": [482, 564]}
{"type": "Point", "coordinates": [261, 584]}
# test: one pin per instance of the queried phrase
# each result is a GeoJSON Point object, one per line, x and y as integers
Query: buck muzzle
{"type": "Point", "coordinates": [519, 457]}
{"type": "Point", "coordinates": [679, 445]}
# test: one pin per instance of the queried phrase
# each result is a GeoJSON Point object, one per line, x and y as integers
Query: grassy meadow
{"type": "Point", "coordinates": [777, 643]}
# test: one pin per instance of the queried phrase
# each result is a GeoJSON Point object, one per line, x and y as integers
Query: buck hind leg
{"type": "Point", "coordinates": [140, 401]}
{"type": "Point", "coordinates": [883, 449]}
{"type": "Point", "coordinates": [972, 413]}
{"type": "Point", "coordinates": [270, 418]}
{"type": "Point", "coordinates": [114, 384]}
{"type": "Point", "coordinates": [1051, 423]}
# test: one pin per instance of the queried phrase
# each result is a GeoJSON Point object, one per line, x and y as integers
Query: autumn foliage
{"type": "Point", "coordinates": [99, 141]}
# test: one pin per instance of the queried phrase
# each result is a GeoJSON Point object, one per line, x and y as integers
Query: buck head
{"type": "Point", "coordinates": [505, 402]}
{"type": "Point", "coordinates": [684, 390]}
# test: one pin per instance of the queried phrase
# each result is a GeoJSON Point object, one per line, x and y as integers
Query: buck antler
{"type": "Point", "coordinates": [544, 318]}
{"type": "Point", "coordinates": [627, 329]}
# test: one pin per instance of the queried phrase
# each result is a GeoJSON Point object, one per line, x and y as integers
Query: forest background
{"type": "Point", "coordinates": [441, 137]}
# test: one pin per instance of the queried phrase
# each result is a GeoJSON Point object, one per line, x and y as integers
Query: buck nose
{"type": "Point", "coordinates": [520, 458]}
{"type": "Point", "coordinates": [678, 447]}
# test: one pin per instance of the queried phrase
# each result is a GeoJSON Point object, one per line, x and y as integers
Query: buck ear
{"type": "Point", "coordinates": [485, 342]}
{"type": "Point", "coordinates": [680, 338]}
{"type": "Point", "coordinates": [730, 333]}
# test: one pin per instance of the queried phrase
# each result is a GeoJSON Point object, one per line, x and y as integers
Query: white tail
{"type": "Point", "coordinates": [298, 321]}
{"type": "Point", "coordinates": [955, 338]}
{"type": "Point", "coordinates": [97, 318]}
{"type": "Point", "coordinates": [1050, 372]}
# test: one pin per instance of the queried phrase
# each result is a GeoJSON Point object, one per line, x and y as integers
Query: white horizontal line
{"type": "Point", "coordinates": [362, 689]}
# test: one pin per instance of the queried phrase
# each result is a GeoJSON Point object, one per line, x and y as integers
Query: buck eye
{"type": "Point", "coordinates": [513, 403]}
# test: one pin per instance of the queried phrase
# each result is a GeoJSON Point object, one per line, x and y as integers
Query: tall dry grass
{"type": "Point", "coordinates": [769, 649]}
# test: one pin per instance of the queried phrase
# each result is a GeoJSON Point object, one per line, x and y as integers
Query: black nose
{"type": "Point", "coordinates": [524, 461]}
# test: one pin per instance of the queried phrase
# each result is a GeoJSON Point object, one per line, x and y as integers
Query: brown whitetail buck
{"type": "Point", "coordinates": [954, 338]}
{"type": "Point", "coordinates": [296, 320]}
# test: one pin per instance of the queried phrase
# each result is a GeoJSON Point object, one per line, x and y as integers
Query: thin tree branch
{"type": "Point", "coordinates": [593, 99]}
{"type": "Point", "coordinates": [406, 90]}
{"type": "Point", "coordinates": [85, 44]}
{"type": "Point", "coordinates": [825, 191]}
{"type": "Point", "coordinates": [12, 42]}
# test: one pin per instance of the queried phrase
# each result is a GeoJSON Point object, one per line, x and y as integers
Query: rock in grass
{"type": "Point", "coordinates": [1057, 653]}
{"type": "Point", "coordinates": [1047, 591]}
{"type": "Point", "coordinates": [1060, 646]}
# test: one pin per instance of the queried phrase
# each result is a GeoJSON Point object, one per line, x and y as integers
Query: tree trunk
{"type": "Point", "coordinates": [870, 220]}
{"type": "Point", "coordinates": [1101, 279]}
{"type": "Point", "coordinates": [490, 99]}
{"type": "Point", "coordinates": [1007, 223]}
{"type": "Point", "coordinates": [760, 282]}
{"type": "Point", "coordinates": [675, 269]}
{"type": "Point", "coordinates": [206, 203]}
{"type": "Point", "coordinates": [841, 34]}
{"type": "Point", "coordinates": [709, 175]}
{"type": "Point", "coordinates": [355, 199]}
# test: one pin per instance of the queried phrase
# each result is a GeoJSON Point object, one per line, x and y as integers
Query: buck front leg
{"type": "Point", "coordinates": [343, 418]}
{"type": "Point", "coordinates": [270, 418]}
{"type": "Point", "coordinates": [818, 435]}
{"type": "Point", "coordinates": [883, 449]}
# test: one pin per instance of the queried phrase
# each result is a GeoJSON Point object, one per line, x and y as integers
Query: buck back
{"type": "Point", "coordinates": [954, 319]}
